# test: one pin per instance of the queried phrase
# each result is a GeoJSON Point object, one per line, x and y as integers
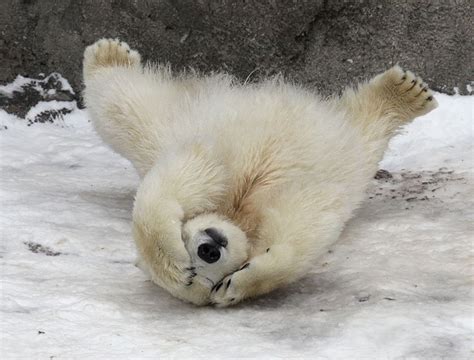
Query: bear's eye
{"type": "Point", "coordinates": [215, 235]}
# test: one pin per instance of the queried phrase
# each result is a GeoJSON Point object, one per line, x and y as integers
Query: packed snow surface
{"type": "Point", "coordinates": [398, 284]}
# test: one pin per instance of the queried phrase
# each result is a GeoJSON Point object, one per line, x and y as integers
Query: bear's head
{"type": "Point", "coordinates": [215, 246]}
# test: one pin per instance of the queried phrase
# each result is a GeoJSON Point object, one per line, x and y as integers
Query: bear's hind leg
{"type": "Point", "coordinates": [378, 108]}
{"type": "Point", "coordinates": [120, 98]}
{"type": "Point", "coordinates": [386, 102]}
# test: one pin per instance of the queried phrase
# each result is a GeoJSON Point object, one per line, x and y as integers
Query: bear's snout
{"type": "Point", "coordinates": [209, 252]}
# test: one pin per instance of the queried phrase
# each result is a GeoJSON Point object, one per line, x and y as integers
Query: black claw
{"type": "Point", "coordinates": [189, 283]}
{"type": "Point", "coordinates": [228, 284]}
{"type": "Point", "coordinates": [419, 93]}
{"type": "Point", "coordinates": [245, 266]}
{"type": "Point", "coordinates": [411, 87]}
{"type": "Point", "coordinates": [217, 287]}
{"type": "Point", "coordinates": [429, 98]}
{"type": "Point", "coordinates": [404, 77]}
{"type": "Point", "coordinates": [191, 268]}
{"type": "Point", "coordinates": [233, 299]}
{"type": "Point", "coordinates": [268, 250]}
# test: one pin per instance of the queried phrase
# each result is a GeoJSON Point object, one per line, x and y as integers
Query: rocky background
{"type": "Point", "coordinates": [323, 44]}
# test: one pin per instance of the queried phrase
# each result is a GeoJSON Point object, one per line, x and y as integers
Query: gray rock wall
{"type": "Point", "coordinates": [325, 44]}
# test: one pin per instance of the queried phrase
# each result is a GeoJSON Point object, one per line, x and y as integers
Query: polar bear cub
{"type": "Point", "coordinates": [243, 186]}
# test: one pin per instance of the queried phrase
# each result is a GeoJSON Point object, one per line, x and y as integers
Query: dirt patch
{"type": "Point", "coordinates": [383, 174]}
{"type": "Point", "coordinates": [41, 249]}
{"type": "Point", "coordinates": [411, 186]}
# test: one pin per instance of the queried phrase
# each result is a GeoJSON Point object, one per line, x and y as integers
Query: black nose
{"type": "Point", "coordinates": [209, 252]}
{"type": "Point", "coordinates": [216, 236]}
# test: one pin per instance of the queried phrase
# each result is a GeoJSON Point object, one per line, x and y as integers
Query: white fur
{"type": "Point", "coordinates": [271, 165]}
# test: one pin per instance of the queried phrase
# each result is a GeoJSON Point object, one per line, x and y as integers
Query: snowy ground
{"type": "Point", "coordinates": [398, 285]}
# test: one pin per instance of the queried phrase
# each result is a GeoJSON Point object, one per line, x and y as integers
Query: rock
{"type": "Point", "coordinates": [38, 100]}
{"type": "Point", "coordinates": [383, 174]}
{"type": "Point", "coordinates": [322, 44]}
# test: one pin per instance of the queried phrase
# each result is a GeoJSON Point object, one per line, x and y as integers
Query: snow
{"type": "Point", "coordinates": [16, 85]}
{"type": "Point", "coordinates": [38, 84]}
{"type": "Point", "coordinates": [398, 284]}
{"type": "Point", "coordinates": [442, 138]}
{"type": "Point", "coordinates": [54, 107]}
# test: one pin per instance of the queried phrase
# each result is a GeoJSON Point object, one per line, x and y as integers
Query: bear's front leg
{"type": "Point", "coordinates": [300, 225]}
{"type": "Point", "coordinates": [181, 184]}
{"type": "Point", "coordinates": [276, 267]}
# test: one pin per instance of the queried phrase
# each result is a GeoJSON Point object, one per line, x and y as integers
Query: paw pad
{"type": "Point", "coordinates": [405, 96]}
{"type": "Point", "coordinates": [107, 53]}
